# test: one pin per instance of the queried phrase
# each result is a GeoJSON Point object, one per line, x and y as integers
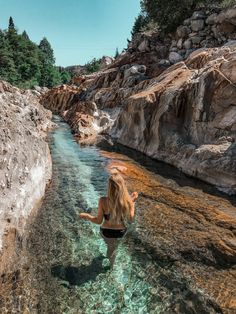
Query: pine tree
{"type": "Point", "coordinates": [47, 50]}
{"type": "Point", "coordinates": [11, 26]}
{"type": "Point", "coordinates": [25, 35]}
{"type": "Point", "coordinates": [8, 71]}
{"type": "Point", "coordinates": [140, 22]}
{"type": "Point", "coordinates": [25, 64]}
{"type": "Point", "coordinates": [117, 53]}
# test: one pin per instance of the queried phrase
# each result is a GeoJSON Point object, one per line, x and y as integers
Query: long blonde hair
{"type": "Point", "coordinates": [119, 200]}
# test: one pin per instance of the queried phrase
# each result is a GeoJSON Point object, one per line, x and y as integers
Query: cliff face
{"type": "Point", "coordinates": [187, 117]}
{"type": "Point", "coordinates": [175, 98]}
{"type": "Point", "coordinates": [25, 163]}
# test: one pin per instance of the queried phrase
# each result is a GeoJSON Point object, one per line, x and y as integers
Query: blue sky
{"type": "Point", "coordinates": [78, 30]}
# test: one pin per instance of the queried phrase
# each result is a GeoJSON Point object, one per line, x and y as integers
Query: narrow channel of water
{"type": "Point", "coordinates": [63, 263]}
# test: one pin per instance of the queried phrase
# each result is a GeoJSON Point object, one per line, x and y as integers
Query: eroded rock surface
{"type": "Point", "coordinates": [187, 117]}
{"type": "Point", "coordinates": [187, 228]}
{"type": "Point", "coordinates": [25, 163]}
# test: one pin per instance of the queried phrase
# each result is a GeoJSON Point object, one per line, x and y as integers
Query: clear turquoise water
{"type": "Point", "coordinates": [80, 176]}
{"type": "Point", "coordinates": [63, 265]}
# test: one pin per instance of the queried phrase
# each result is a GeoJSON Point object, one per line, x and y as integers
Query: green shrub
{"type": "Point", "coordinates": [228, 3]}
{"type": "Point", "coordinates": [93, 66]}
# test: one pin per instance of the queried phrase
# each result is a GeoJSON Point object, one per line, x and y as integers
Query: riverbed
{"type": "Point", "coordinates": [174, 258]}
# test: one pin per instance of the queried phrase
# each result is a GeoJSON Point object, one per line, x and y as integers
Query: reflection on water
{"type": "Point", "coordinates": [63, 266]}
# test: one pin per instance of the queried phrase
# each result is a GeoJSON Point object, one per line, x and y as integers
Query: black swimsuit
{"type": "Point", "coordinates": [112, 233]}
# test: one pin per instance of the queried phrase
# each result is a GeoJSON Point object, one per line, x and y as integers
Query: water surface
{"type": "Point", "coordinates": [63, 265]}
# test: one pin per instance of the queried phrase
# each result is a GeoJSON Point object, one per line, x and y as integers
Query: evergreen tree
{"type": "Point", "coordinates": [25, 35]}
{"type": "Point", "coordinates": [8, 71]}
{"type": "Point", "coordinates": [117, 53]}
{"type": "Point", "coordinates": [47, 50]}
{"type": "Point", "coordinates": [65, 77]}
{"type": "Point", "coordinates": [25, 64]}
{"type": "Point", "coordinates": [140, 23]}
{"type": "Point", "coordinates": [11, 26]}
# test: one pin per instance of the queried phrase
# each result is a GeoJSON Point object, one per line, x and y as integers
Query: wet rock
{"type": "Point", "coordinates": [188, 229]}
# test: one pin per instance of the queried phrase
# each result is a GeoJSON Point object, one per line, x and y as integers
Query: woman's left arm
{"type": "Point", "coordinates": [98, 219]}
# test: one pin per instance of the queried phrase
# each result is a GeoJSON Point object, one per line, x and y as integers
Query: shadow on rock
{"type": "Point", "coordinates": [77, 276]}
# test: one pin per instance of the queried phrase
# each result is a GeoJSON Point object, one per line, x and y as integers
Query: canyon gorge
{"type": "Point", "coordinates": [163, 113]}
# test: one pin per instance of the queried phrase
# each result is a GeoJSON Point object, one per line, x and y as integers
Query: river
{"type": "Point", "coordinates": [62, 264]}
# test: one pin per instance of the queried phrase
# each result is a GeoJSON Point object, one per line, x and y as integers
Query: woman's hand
{"type": "Point", "coordinates": [134, 196]}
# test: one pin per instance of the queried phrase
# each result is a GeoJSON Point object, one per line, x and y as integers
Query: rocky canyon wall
{"type": "Point", "coordinates": [171, 98]}
{"type": "Point", "coordinates": [25, 163]}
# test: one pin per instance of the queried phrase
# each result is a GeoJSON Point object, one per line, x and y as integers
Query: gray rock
{"type": "Point", "coordinates": [188, 44]}
{"type": "Point", "coordinates": [204, 43]}
{"type": "Point", "coordinates": [230, 43]}
{"type": "Point", "coordinates": [144, 46]}
{"type": "Point", "coordinates": [202, 33]}
{"type": "Point", "coordinates": [173, 44]}
{"type": "Point", "coordinates": [187, 22]}
{"type": "Point", "coordinates": [180, 43]}
{"type": "Point", "coordinates": [196, 40]}
{"type": "Point", "coordinates": [211, 19]}
{"type": "Point", "coordinates": [193, 34]}
{"type": "Point", "coordinates": [228, 16]}
{"type": "Point", "coordinates": [174, 57]}
{"type": "Point", "coordinates": [164, 62]}
{"type": "Point", "coordinates": [198, 15]}
{"type": "Point", "coordinates": [135, 70]}
{"type": "Point", "coordinates": [197, 25]}
{"type": "Point", "coordinates": [215, 31]}
{"type": "Point", "coordinates": [183, 31]}
{"type": "Point", "coordinates": [174, 49]}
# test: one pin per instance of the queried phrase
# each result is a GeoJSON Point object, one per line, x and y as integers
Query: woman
{"type": "Point", "coordinates": [114, 211]}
